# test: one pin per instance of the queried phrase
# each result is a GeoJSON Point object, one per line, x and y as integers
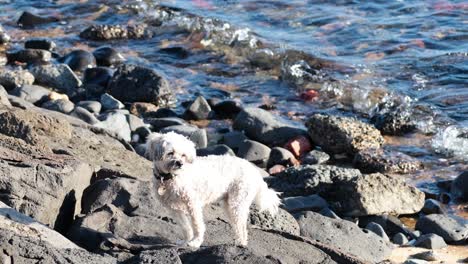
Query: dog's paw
{"type": "Point", "coordinates": [195, 243]}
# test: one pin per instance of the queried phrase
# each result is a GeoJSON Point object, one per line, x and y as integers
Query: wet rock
{"type": "Point", "coordinates": [315, 157]}
{"type": "Point", "coordinates": [29, 56]}
{"type": "Point", "coordinates": [107, 56]}
{"type": "Point", "coordinates": [450, 228]}
{"type": "Point", "coordinates": [117, 123]}
{"type": "Point", "coordinates": [396, 122]}
{"type": "Point", "coordinates": [158, 124]}
{"type": "Point", "coordinates": [426, 255]}
{"type": "Point", "coordinates": [220, 149]}
{"type": "Point", "coordinates": [283, 221]}
{"type": "Point", "coordinates": [233, 139]}
{"type": "Point", "coordinates": [4, 37]}
{"type": "Point", "coordinates": [328, 213]}
{"type": "Point", "coordinates": [61, 105]}
{"type": "Point", "coordinates": [262, 126]}
{"type": "Point", "coordinates": [304, 203]}
{"type": "Point", "coordinates": [335, 134]}
{"type": "Point", "coordinates": [400, 239]}
{"type": "Point", "coordinates": [10, 79]}
{"type": "Point", "coordinates": [79, 60]}
{"type": "Point", "coordinates": [227, 254]}
{"type": "Point", "coordinates": [34, 94]}
{"type": "Point", "coordinates": [132, 83]}
{"type": "Point", "coordinates": [264, 59]}
{"type": "Point", "coordinates": [430, 241]}
{"type": "Point", "coordinates": [383, 160]}
{"type": "Point", "coordinates": [376, 194]}
{"type": "Point", "coordinates": [175, 52]}
{"type": "Point", "coordinates": [378, 230]}
{"type": "Point", "coordinates": [30, 20]}
{"type": "Point", "coordinates": [281, 156]}
{"type": "Point", "coordinates": [343, 234]}
{"type": "Point", "coordinates": [84, 115]}
{"type": "Point", "coordinates": [4, 97]}
{"type": "Point", "coordinates": [195, 134]}
{"type": "Point", "coordinates": [110, 32]}
{"type": "Point", "coordinates": [59, 77]}
{"type": "Point", "coordinates": [199, 109]}
{"type": "Point", "coordinates": [92, 106]}
{"type": "Point", "coordinates": [254, 152]}
{"type": "Point", "coordinates": [310, 179]}
{"type": "Point", "coordinates": [431, 206]}
{"type": "Point", "coordinates": [139, 109]}
{"type": "Point", "coordinates": [166, 255]}
{"type": "Point", "coordinates": [108, 102]}
{"type": "Point", "coordinates": [299, 145]}
{"type": "Point", "coordinates": [43, 44]}
{"type": "Point", "coordinates": [227, 109]}
{"type": "Point", "coordinates": [459, 186]}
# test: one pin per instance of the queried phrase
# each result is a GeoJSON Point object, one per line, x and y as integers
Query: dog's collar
{"type": "Point", "coordinates": [161, 176]}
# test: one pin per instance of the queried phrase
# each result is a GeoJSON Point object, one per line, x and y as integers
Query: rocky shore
{"type": "Point", "coordinates": [75, 187]}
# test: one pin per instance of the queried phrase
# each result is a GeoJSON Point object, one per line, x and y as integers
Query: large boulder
{"type": "Point", "coordinates": [337, 134]}
{"type": "Point", "coordinates": [345, 236]}
{"type": "Point", "coordinates": [451, 229]}
{"type": "Point", "coordinates": [133, 83]}
{"type": "Point", "coordinates": [262, 126]}
{"type": "Point", "coordinates": [376, 194]}
{"type": "Point", "coordinates": [59, 77]}
{"type": "Point", "coordinates": [310, 179]}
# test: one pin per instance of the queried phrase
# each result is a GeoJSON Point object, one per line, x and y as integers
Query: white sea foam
{"type": "Point", "coordinates": [452, 141]}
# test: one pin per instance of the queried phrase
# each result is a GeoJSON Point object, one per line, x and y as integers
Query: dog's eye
{"type": "Point", "coordinates": [184, 156]}
{"type": "Point", "coordinates": [170, 154]}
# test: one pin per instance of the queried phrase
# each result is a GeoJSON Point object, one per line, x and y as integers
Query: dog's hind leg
{"type": "Point", "coordinates": [238, 211]}
{"type": "Point", "coordinates": [196, 218]}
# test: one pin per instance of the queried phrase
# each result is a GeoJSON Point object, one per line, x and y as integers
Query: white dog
{"type": "Point", "coordinates": [186, 183]}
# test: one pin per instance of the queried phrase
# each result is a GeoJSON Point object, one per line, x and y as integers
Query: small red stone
{"type": "Point", "coordinates": [309, 95]}
{"type": "Point", "coordinates": [299, 145]}
{"type": "Point", "coordinates": [276, 169]}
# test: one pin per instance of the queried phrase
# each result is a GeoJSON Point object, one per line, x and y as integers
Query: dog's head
{"type": "Point", "coordinates": [169, 152]}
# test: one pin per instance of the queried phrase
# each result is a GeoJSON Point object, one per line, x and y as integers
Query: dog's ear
{"type": "Point", "coordinates": [153, 142]}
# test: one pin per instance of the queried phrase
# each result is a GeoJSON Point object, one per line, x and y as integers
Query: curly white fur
{"type": "Point", "coordinates": [199, 181]}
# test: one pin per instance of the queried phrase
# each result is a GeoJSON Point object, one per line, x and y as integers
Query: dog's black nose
{"type": "Point", "coordinates": [178, 163]}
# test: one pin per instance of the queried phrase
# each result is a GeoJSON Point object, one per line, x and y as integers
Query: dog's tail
{"type": "Point", "coordinates": [267, 199]}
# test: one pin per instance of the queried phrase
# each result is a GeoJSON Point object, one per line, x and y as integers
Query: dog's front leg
{"type": "Point", "coordinates": [186, 226]}
{"type": "Point", "coordinates": [198, 226]}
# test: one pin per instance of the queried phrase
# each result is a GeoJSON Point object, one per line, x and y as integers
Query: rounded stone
{"type": "Point", "coordinates": [107, 56]}
{"type": "Point", "coordinates": [79, 60]}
